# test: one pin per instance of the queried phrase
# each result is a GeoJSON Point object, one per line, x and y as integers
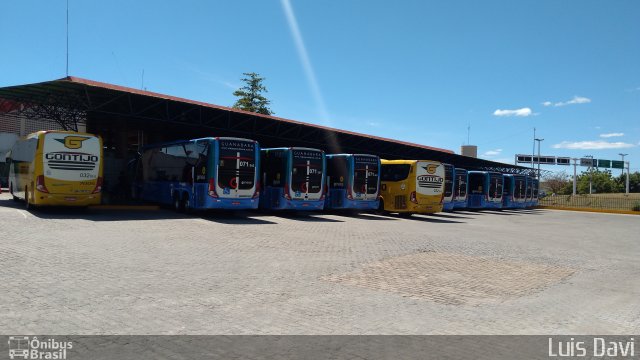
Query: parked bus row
{"type": "Point", "coordinates": [65, 168]}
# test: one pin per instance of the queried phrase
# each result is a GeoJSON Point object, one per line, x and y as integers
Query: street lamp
{"type": "Point", "coordinates": [539, 141]}
{"type": "Point", "coordinates": [623, 155]}
{"type": "Point", "coordinates": [590, 172]}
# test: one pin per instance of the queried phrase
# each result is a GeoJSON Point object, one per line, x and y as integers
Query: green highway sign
{"type": "Point", "coordinates": [604, 163]}
{"type": "Point", "coordinates": [617, 164]}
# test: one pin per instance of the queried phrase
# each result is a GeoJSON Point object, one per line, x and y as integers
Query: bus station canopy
{"type": "Point", "coordinates": [73, 100]}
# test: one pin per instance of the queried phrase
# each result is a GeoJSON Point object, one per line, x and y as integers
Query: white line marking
{"type": "Point", "coordinates": [22, 213]}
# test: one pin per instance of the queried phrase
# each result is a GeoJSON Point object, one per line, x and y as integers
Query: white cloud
{"type": "Point", "coordinates": [517, 112]}
{"type": "Point", "coordinates": [576, 100]}
{"type": "Point", "coordinates": [611, 135]}
{"type": "Point", "coordinates": [492, 152]}
{"type": "Point", "coordinates": [592, 145]}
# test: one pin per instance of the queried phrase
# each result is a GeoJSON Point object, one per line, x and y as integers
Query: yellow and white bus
{"type": "Point", "coordinates": [411, 186]}
{"type": "Point", "coordinates": [56, 168]}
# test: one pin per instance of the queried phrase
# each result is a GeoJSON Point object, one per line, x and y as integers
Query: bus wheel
{"type": "Point", "coordinates": [177, 203]}
{"type": "Point", "coordinates": [186, 203]}
{"type": "Point", "coordinates": [27, 205]}
{"type": "Point", "coordinates": [405, 214]}
{"type": "Point", "coordinates": [380, 209]}
{"type": "Point", "coordinates": [15, 198]}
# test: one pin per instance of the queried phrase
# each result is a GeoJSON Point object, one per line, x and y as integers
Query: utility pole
{"type": "Point", "coordinates": [575, 180]}
{"type": "Point", "coordinates": [533, 152]}
{"type": "Point", "coordinates": [539, 141]}
{"type": "Point", "coordinates": [627, 182]}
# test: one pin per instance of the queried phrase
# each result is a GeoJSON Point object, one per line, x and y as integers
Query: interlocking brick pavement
{"type": "Point", "coordinates": [156, 272]}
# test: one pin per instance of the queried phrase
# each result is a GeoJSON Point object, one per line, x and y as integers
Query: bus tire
{"type": "Point", "coordinates": [27, 205]}
{"type": "Point", "coordinates": [380, 209]}
{"type": "Point", "coordinates": [186, 203]}
{"type": "Point", "coordinates": [177, 203]}
{"type": "Point", "coordinates": [15, 198]}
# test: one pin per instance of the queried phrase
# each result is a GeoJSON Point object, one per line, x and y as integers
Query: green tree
{"type": "Point", "coordinates": [601, 182]}
{"type": "Point", "coordinates": [634, 182]}
{"type": "Point", "coordinates": [250, 95]}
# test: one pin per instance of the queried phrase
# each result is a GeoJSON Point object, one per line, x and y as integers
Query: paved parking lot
{"type": "Point", "coordinates": [156, 272]}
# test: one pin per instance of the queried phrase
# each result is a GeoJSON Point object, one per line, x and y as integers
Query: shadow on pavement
{"type": "Point", "coordinates": [452, 215]}
{"type": "Point", "coordinates": [362, 216]}
{"type": "Point", "coordinates": [428, 218]}
{"type": "Point", "coordinates": [302, 216]}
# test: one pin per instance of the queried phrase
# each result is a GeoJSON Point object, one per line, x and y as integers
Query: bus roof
{"type": "Point", "coordinates": [384, 161]}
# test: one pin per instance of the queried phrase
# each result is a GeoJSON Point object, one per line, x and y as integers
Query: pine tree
{"type": "Point", "coordinates": [250, 95]}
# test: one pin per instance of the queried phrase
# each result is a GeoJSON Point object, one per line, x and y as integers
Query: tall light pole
{"type": "Point", "coordinates": [539, 141]}
{"type": "Point", "coordinates": [590, 171]}
{"type": "Point", "coordinates": [533, 152]}
{"type": "Point", "coordinates": [623, 155]}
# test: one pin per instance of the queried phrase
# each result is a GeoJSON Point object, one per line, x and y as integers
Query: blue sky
{"type": "Point", "coordinates": [419, 71]}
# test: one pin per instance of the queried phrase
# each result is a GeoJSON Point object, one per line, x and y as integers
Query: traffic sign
{"type": "Point", "coordinates": [523, 158]}
{"type": "Point", "coordinates": [617, 164]}
{"type": "Point", "coordinates": [586, 162]}
{"type": "Point", "coordinates": [563, 161]}
{"type": "Point", "coordinates": [603, 163]}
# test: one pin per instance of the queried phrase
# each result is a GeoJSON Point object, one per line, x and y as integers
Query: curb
{"type": "Point", "coordinates": [625, 212]}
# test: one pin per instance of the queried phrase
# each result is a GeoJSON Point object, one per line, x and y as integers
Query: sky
{"type": "Point", "coordinates": [419, 71]}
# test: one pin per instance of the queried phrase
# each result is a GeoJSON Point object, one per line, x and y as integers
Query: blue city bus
{"type": "Point", "coordinates": [485, 190]}
{"type": "Point", "coordinates": [293, 178]}
{"type": "Point", "coordinates": [528, 202]}
{"type": "Point", "coordinates": [517, 192]}
{"type": "Point", "coordinates": [461, 188]}
{"type": "Point", "coordinates": [536, 187]}
{"type": "Point", "coordinates": [199, 174]}
{"type": "Point", "coordinates": [353, 181]}
{"type": "Point", "coordinates": [449, 185]}
{"type": "Point", "coordinates": [508, 196]}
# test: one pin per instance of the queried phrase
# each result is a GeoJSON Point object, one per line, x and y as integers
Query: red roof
{"type": "Point", "coordinates": [200, 103]}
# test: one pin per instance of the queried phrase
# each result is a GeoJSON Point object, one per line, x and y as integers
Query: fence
{"type": "Point", "coordinates": [605, 202]}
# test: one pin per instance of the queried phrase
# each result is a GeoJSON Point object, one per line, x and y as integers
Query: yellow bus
{"type": "Point", "coordinates": [56, 168]}
{"type": "Point", "coordinates": [411, 186]}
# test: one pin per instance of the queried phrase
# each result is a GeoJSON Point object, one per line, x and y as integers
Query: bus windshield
{"type": "Point", "coordinates": [307, 171]}
{"type": "Point", "coordinates": [236, 164]}
{"type": "Point", "coordinates": [365, 174]}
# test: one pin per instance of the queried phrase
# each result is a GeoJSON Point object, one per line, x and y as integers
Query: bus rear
{"type": "Point", "coordinates": [412, 186]}
{"type": "Point", "coordinates": [68, 170]}
{"type": "Point", "coordinates": [236, 174]}
{"type": "Point", "coordinates": [508, 186]}
{"type": "Point", "coordinates": [460, 189]}
{"type": "Point", "coordinates": [305, 188]}
{"type": "Point", "coordinates": [449, 185]}
{"type": "Point", "coordinates": [519, 191]}
{"type": "Point", "coordinates": [353, 181]}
